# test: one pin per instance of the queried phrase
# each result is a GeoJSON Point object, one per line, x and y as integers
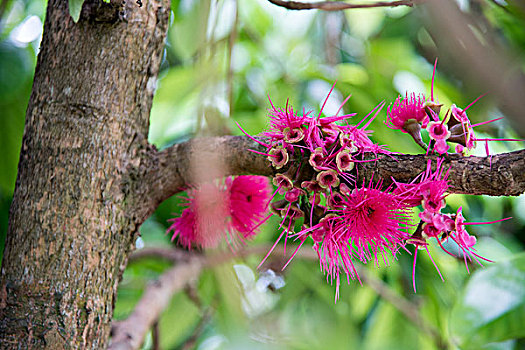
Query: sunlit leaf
{"type": "Point", "coordinates": [492, 305]}
{"type": "Point", "coordinates": [75, 6]}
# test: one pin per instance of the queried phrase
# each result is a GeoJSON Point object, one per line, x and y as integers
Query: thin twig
{"type": "Point", "coordinates": [129, 334]}
{"type": "Point", "coordinates": [171, 254]}
{"type": "Point", "coordinates": [407, 308]}
{"type": "Point", "coordinates": [337, 5]}
{"type": "Point", "coordinates": [192, 340]}
{"type": "Point", "coordinates": [155, 335]}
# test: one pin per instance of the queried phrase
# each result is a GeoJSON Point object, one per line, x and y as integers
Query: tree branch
{"type": "Point", "coordinates": [169, 171]}
{"type": "Point", "coordinates": [337, 5]}
{"type": "Point", "coordinates": [129, 334]}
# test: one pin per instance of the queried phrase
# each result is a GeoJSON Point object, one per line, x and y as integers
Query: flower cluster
{"type": "Point", "coordinates": [316, 160]}
{"type": "Point", "coordinates": [232, 210]}
{"type": "Point", "coordinates": [318, 198]}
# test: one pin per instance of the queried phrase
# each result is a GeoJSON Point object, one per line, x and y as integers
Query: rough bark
{"type": "Point", "coordinates": [72, 222]}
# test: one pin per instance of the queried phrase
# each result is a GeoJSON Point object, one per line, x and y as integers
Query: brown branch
{"type": "Point", "coordinates": [155, 335]}
{"type": "Point", "coordinates": [129, 334]}
{"type": "Point", "coordinates": [199, 329]}
{"type": "Point", "coordinates": [337, 5]}
{"type": "Point", "coordinates": [497, 175]}
{"type": "Point", "coordinates": [161, 252]}
{"type": "Point", "coordinates": [169, 171]}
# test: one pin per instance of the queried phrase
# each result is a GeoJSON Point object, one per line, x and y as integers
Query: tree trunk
{"type": "Point", "coordinates": [73, 220]}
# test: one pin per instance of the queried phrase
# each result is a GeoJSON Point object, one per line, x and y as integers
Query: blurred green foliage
{"type": "Point", "coordinates": [222, 61]}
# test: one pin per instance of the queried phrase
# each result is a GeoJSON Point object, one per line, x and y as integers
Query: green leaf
{"type": "Point", "coordinates": [492, 305]}
{"type": "Point", "coordinates": [189, 30]}
{"type": "Point", "coordinates": [75, 6]}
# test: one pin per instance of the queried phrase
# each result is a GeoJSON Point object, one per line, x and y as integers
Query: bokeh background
{"type": "Point", "coordinates": [222, 61]}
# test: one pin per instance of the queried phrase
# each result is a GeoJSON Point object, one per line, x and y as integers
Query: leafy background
{"type": "Point", "coordinates": [222, 61]}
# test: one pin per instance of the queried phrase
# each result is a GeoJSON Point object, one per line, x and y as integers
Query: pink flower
{"type": "Point", "coordinates": [204, 222]}
{"type": "Point", "coordinates": [363, 224]}
{"type": "Point", "coordinates": [294, 194]}
{"type": "Point", "coordinates": [282, 119]}
{"type": "Point", "coordinates": [328, 178]}
{"type": "Point", "coordinates": [293, 135]}
{"type": "Point", "coordinates": [438, 131]}
{"type": "Point", "coordinates": [344, 161]}
{"type": "Point", "coordinates": [412, 107]}
{"type": "Point", "coordinates": [249, 196]}
{"type": "Point", "coordinates": [371, 221]}
{"type": "Point", "coordinates": [317, 159]}
{"type": "Point", "coordinates": [282, 182]}
{"type": "Point", "coordinates": [231, 210]}
{"type": "Point", "coordinates": [428, 189]}
{"type": "Point", "coordinates": [278, 156]}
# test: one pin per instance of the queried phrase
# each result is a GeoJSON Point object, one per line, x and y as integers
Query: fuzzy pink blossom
{"type": "Point", "coordinates": [231, 210]}
{"type": "Point", "coordinates": [403, 110]}
{"type": "Point", "coordinates": [363, 224]}
{"type": "Point", "coordinates": [249, 196]}
{"type": "Point", "coordinates": [372, 221]}
{"type": "Point", "coordinates": [204, 221]}
{"type": "Point", "coordinates": [285, 121]}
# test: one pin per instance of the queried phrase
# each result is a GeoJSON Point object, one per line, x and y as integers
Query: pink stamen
{"type": "Point", "coordinates": [285, 216]}
{"type": "Point", "coordinates": [269, 99]}
{"type": "Point", "coordinates": [293, 255]}
{"type": "Point", "coordinates": [500, 139]}
{"type": "Point", "coordinates": [342, 104]}
{"type": "Point", "coordinates": [479, 256]}
{"type": "Point", "coordinates": [253, 138]}
{"type": "Point", "coordinates": [432, 84]}
{"type": "Point", "coordinates": [444, 119]}
{"type": "Point", "coordinates": [466, 263]}
{"type": "Point", "coordinates": [366, 116]}
{"type": "Point", "coordinates": [484, 223]}
{"type": "Point", "coordinates": [414, 271]}
{"type": "Point", "coordinates": [273, 195]}
{"type": "Point", "coordinates": [381, 105]}
{"type": "Point", "coordinates": [489, 121]}
{"type": "Point", "coordinates": [326, 100]}
{"type": "Point", "coordinates": [312, 211]}
{"type": "Point", "coordinates": [433, 262]}
{"type": "Point", "coordinates": [446, 251]}
{"type": "Point", "coordinates": [472, 103]}
{"type": "Point", "coordinates": [259, 224]}
{"type": "Point", "coordinates": [271, 250]}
